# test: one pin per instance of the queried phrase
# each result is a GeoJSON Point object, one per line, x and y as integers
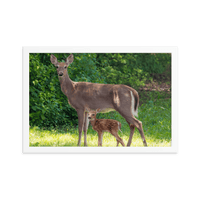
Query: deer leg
{"type": "Point", "coordinates": [86, 123]}
{"type": "Point", "coordinates": [119, 140]}
{"type": "Point", "coordinates": [100, 138]}
{"type": "Point", "coordinates": [138, 124]}
{"type": "Point", "coordinates": [140, 129]}
{"type": "Point", "coordinates": [133, 122]}
{"type": "Point", "coordinates": [132, 128]}
{"type": "Point", "coordinates": [80, 124]}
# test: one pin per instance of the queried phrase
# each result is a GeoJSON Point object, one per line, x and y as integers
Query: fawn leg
{"type": "Point", "coordinates": [119, 140]}
{"type": "Point", "coordinates": [99, 138]}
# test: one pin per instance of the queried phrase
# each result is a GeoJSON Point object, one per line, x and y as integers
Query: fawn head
{"type": "Point", "coordinates": [92, 114]}
{"type": "Point", "coordinates": [62, 66]}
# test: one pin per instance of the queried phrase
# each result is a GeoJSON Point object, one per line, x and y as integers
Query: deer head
{"type": "Point", "coordinates": [92, 114]}
{"type": "Point", "coordinates": [62, 66]}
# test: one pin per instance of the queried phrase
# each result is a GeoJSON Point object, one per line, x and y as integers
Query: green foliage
{"type": "Point", "coordinates": [132, 69]}
{"type": "Point", "coordinates": [48, 106]}
{"type": "Point", "coordinates": [84, 68]}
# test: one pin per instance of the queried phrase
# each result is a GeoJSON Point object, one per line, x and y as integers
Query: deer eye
{"type": "Point", "coordinates": [65, 67]}
{"type": "Point", "coordinates": [92, 114]}
{"type": "Point", "coordinates": [56, 66]}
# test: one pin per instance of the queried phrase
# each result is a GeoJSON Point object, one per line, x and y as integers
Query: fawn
{"type": "Point", "coordinates": [107, 97]}
{"type": "Point", "coordinates": [102, 125]}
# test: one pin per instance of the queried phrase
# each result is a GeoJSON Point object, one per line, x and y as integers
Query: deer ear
{"type": "Point", "coordinates": [98, 110]}
{"type": "Point", "coordinates": [70, 59]}
{"type": "Point", "coordinates": [87, 109]}
{"type": "Point", "coordinates": [53, 59]}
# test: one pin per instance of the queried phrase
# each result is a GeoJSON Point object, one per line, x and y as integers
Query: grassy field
{"type": "Point", "coordinates": [155, 116]}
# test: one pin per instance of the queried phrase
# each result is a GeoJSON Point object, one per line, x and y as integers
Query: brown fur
{"type": "Point", "coordinates": [107, 97]}
{"type": "Point", "coordinates": [102, 125]}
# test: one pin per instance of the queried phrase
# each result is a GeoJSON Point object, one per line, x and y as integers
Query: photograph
{"type": "Point", "coordinates": [100, 100]}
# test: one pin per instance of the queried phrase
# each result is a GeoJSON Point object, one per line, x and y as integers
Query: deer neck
{"type": "Point", "coordinates": [66, 84]}
{"type": "Point", "coordinates": [93, 122]}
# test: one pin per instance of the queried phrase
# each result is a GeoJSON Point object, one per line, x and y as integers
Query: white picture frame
{"type": "Point", "coordinates": [99, 48]}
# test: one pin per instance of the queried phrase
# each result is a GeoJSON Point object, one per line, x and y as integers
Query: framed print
{"type": "Point", "coordinates": [100, 100]}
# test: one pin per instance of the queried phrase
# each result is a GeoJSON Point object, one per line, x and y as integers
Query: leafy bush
{"type": "Point", "coordinates": [132, 69]}
{"type": "Point", "coordinates": [48, 106]}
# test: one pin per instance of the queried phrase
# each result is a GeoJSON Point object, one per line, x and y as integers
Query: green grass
{"type": "Point", "coordinates": [155, 116]}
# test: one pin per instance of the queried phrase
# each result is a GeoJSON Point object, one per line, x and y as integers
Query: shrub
{"type": "Point", "coordinates": [48, 106]}
{"type": "Point", "coordinates": [132, 69]}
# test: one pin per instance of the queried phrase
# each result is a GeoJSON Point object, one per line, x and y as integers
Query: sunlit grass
{"type": "Point", "coordinates": [38, 137]}
{"type": "Point", "coordinates": [155, 116]}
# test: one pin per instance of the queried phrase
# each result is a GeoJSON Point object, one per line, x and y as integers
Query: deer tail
{"type": "Point", "coordinates": [119, 126]}
{"type": "Point", "coordinates": [134, 103]}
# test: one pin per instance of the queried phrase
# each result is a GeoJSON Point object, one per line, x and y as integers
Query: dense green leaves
{"type": "Point", "coordinates": [132, 69]}
{"type": "Point", "coordinates": [48, 106]}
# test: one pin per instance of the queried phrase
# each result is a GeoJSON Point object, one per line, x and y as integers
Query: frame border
{"type": "Point", "coordinates": [81, 48]}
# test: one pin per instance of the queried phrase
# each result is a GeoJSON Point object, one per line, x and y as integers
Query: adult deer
{"type": "Point", "coordinates": [106, 97]}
